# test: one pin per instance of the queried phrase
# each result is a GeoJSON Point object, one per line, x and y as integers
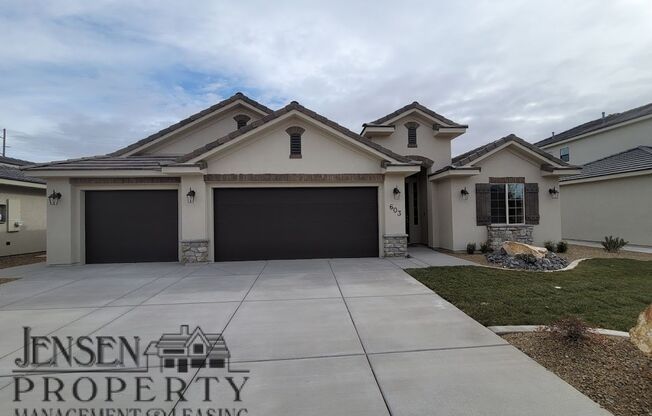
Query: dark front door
{"type": "Point", "coordinates": [131, 226]}
{"type": "Point", "coordinates": [295, 223]}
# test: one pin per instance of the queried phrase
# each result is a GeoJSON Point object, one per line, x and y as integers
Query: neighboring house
{"type": "Point", "coordinates": [612, 194]}
{"type": "Point", "coordinates": [190, 350]}
{"type": "Point", "coordinates": [22, 209]}
{"type": "Point", "coordinates": [239, 181]}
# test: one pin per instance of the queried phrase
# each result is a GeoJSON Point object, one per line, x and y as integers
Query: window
{"type": "Point", "coordinates": [216, 363]}
{"type": "Point", "coordinates": [168, 363]}
{"type": "Point", "coordinates": [198, 348]}
{"type": "Point", "coordinates": [241, 120]}
{"type": "Point", "coordinates": [415, 202]}
{"type": "Point", "coordinates": [295, 141]}
{"type": "Point", "coordinates": [197, 363]}
{"type": "Point", "coordinates": [173, 351]}
{"type": "Point", "coordinates": [412, 133]}
{"type": "Point", "coordinates": [507, 203]}
{"type": "Point", "coordinates": [3, 213]}
{"type": "Point", "coordinates": [183, 365]}
{"type": "Point", "coordinates": [564, 154]}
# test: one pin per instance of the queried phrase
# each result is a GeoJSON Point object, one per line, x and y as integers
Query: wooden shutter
{"type": "Point", "coordinates": [532, 203]}
{"type": "Point", "coordinates": [483, 203]}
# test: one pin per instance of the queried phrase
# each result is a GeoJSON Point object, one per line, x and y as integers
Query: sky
{"type": "Point", "coordinates": [80, 78]}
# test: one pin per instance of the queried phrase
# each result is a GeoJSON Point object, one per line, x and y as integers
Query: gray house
{"type": "Point", "coordinates": [612, 195]}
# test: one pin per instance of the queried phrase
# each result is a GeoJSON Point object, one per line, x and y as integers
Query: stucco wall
{"type": "Point", "coordinates": [200, 135]}
{"type": "Point", "coordinates": [463, 213]}
{"type": "Point", "coordinates": [31, 237]}
{"type": "Point", "coordinates": [618, 207]}
{"type": "Point", "coordinates": [604, 144]}
{"type": "Point", "coordinates": [436, 149]}
{"type": "Point", "coordinates": [269, 152]}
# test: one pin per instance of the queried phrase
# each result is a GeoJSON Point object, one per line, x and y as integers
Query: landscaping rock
{"type": "Point", "coordinates": [550, 261]}
{"type": "Point", "coordinates": [641, 334]}
{"type": "Point", "coordinates": [514, 248]}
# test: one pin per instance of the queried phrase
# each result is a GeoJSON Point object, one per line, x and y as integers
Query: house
{"type": "Point", "coordinates": [22, 209]}
{"type": "Point", "coordinates": [611, 195]}
{"type": "Point", "coordinates": [190, 350]}
{"type": "Point", "coordinates": [240, 181]}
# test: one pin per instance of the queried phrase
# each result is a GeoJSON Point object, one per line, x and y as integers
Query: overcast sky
{"type": "Point", "coordinates": [83, 77]}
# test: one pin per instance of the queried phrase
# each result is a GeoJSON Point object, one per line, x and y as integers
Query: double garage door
{"type": "Point", "coordinates": [250, 224]}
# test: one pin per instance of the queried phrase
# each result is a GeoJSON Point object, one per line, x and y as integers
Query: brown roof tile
{"type": "Point", "coordinates": [414, 106]}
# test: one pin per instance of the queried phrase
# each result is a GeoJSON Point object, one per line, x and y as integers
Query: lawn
{"type": "Point", "coordinates": [607, 293]}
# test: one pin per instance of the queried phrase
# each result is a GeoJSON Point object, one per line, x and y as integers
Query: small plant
{"type": "Point", "coordinates": [570, 329]}
{"type": "Point", "coordinates": [562, 247]}
{"type": "Point", "coordinates": [485, 248]}
{"type": "Point", "coordinates": [613, 244]}
{"type": "Point", "coordinates": [550, 246]}
{"type": "Point", "coordinates": [527, 258]}
{"type": "Point", "coordinates": [470, 248]}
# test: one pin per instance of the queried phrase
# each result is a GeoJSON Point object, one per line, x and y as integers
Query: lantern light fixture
{"type": "Point", "coordinates": [464, 193]}
{"type": "Point", "coordinates": [554, 193]}
{"type": "Point", "coordinates": [190, 196]}
{"type": "Point", "coordinates": [397, 193]}
{"type": "Point", "coordinates": [54, 197]}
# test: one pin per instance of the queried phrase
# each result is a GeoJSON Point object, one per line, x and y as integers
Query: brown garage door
{"type": "Point", "coordinates": [131, 226]}
{"type": "Point", "coordinates": [295, 223]}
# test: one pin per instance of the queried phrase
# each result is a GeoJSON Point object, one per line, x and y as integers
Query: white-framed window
{"type": "Point", "coordinates": [564, 154]}
{"type": "Point", "coordinates": [507, 203]}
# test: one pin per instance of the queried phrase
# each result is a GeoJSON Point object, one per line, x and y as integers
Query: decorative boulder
{"type": "Point", "coordinates": [641, 334]}
{"type": "Point", "coordinates": [512, 248]}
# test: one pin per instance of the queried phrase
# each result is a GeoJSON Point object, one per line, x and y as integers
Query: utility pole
{"type": "Point", "coordinates": [4, 141]}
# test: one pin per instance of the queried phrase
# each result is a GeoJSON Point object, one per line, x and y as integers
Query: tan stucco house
{"type": "Point", "coordinates": [22, 209]}
{"type": "Point", "coordinates": [612, 195]}
{"type": "Point", "coordinates": [240, 181]}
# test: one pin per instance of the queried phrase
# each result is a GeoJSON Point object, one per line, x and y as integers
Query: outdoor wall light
{"type": "Point", "coordinates": [554, 193]}
{"type": "Point", "coordinates": [54, 197]}
{"type": "Point", "coordinates": [190, 196]}
{"type": "Point", "coordinates": [464, 193]}
{"type": "Point", "coordinates": [397, 193]}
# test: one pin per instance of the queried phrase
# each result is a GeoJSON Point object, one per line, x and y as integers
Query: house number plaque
{"type": "Point", "coordinates": [395, 210]}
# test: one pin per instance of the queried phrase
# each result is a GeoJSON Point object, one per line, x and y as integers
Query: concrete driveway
{"type": "Point", "coordinates": [318, 337]}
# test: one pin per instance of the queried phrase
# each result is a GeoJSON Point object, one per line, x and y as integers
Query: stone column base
{"type": "Point", "coordinates": [395, 245]}
{"type": "Point", "coordinates": [498, 234]}
{"type": "Point", "coordinates": [194, 251]}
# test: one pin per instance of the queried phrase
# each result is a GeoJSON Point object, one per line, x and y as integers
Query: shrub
{"type": "Point", "coordinates": [528, 258]}
{"type": "Point", "coordinates": [470, 248]}
{"type": "Point", "coordinates": [613, 244]}
{"type": "Point", "coordinates": [570, 329]}
{"type": "Point", "coordinates": [550, 246]}
{"type": "Point", "coordinates": [485, 248]}
{"type": "Point", "coordinates": [562, 247]}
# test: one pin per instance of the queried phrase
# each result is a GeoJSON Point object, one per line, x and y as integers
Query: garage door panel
{"type": "Point", "coordinates": [287, 223]}
{"type": "Point", "coordinates": [131, 226]}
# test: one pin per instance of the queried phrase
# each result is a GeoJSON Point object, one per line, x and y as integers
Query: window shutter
{"type": "Point", "coordinates": [532, 203]}
{"type": "Point", "coordinates": [483, 203]}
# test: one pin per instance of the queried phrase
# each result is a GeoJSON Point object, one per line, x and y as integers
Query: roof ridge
{"type": "Point", "coordinates": [171, 128]}
{"type": "Point", "coordinates": [414, 105]}
{"type": "Point", "coordinates": [293, 105]}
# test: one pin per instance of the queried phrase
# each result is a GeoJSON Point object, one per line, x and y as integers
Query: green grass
{"type": "Point", "coordinates": [607, 293]}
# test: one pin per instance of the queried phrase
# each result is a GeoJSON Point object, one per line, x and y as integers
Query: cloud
{"type": "Point", "coordinates": [82, 78]}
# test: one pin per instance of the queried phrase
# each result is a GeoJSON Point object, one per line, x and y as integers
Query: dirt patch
{"type": "Point", "coordinates": [609, 370]}
{"type": "Point", "coordinates": [574, 252]}
{"type": "Point", "coordinates": [21, 260]}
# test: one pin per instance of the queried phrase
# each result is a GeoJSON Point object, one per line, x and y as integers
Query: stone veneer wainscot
{"type": "Point", "coordinates": [194, 251]}
{"type": "Point", "coordinates": [498, 234]}
{"type": "Point", "coordinates": [395, 245]}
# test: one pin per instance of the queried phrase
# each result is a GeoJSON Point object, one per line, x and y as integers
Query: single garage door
{"type": "Point", "coordinates": [131, 226]}
{"type": "Point", "coordinates": [295, 223]}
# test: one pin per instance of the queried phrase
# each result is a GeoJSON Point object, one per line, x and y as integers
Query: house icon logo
{"type": "Point", "coordinates": [186, 349]}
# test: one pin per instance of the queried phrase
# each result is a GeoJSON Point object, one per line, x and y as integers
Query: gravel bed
{"type": "Point", "coordinates": [609, 370]}
{"type": "Point", "coordinates": [550, 262]}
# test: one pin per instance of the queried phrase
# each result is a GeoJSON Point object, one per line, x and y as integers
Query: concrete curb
{"type": "Point", "coordinates": [510, 329]}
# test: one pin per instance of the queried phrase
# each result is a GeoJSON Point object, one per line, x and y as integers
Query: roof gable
{"type": "Point", "coordinates": [268, 120]}
{"type": "Point", "coordinates": [598, 124]}
{"type": "Point", "coordinates": [416, 107]}
{"type": "Point", "coordinates": [197, 117]}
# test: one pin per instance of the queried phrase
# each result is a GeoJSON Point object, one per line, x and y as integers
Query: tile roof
{"type": "Point", "coordinates": [278, 113]}
{"type": "Point", "coordinates": [471, 155]}
{"type": "Point", "coordinates": [106, 162]}
{"type": "Point", "coordinates": [12, 161]}
{"type": "Point", "coordinates": [237, 96]}
{"type": "Point", "coordinates": [15, 174]}
{"type": "Point", "coordinates": [632, 160]}
{"type": "Point", "coordinates": [414, 106]}
{"type": "Point", "coordinates": [598, 124]}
